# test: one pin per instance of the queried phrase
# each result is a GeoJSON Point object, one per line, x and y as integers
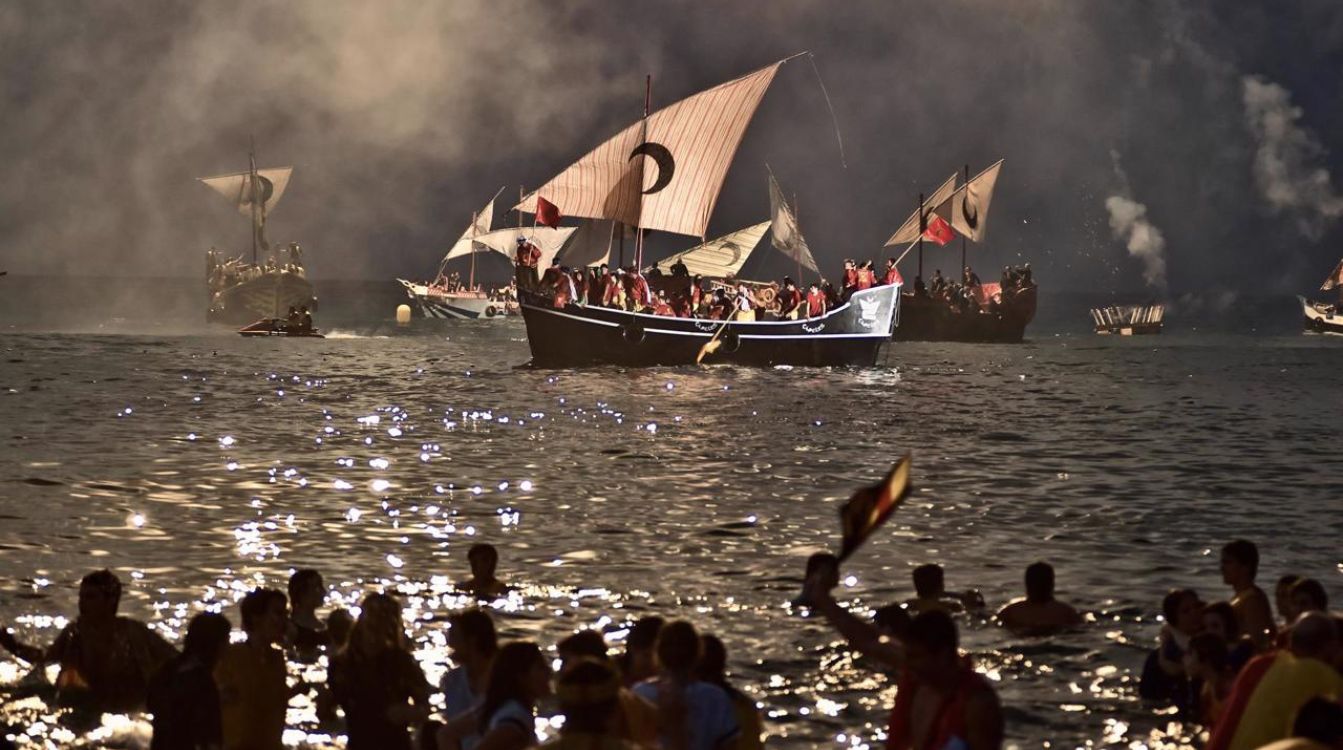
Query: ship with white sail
{"type": "Point", "coordinates": [450, 296]}
{"type": "Point", "coordinates": [1325, 317]}
{"type": "Point", "coordinates": [274, 280]}
{"type": "Point", "coordinates": [664, 173]}
{"type": "Point", "coordinates": [965, 308]}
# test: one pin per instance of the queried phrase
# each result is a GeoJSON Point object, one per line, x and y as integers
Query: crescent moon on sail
{"type": "Point", "coordinates": [267, 190]}
{"type": "Point", "coordinates": [666, 164]}
{"type": "Point", "coordinates": [971, 219]}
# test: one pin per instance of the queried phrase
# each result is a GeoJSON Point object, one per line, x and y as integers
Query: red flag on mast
{"type": "Point", "coordinates": [939, 231]}
{"type": "Point", "coordinates": [869, 507]}
{"type": "Point", "coordinates": [547, 213]}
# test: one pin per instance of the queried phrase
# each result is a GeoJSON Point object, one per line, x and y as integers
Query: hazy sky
{"type": "Point", "coordinates": [1217, 119]}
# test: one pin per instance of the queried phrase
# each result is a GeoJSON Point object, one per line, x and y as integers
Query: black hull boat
{"type": "Point", "coordinates": [928, 319]}
{"type": "Point", "coordinates": [1321, 318]}
{"type": "Point", "coordinates": [277, 327]}
{"type": "Point", "coordinates": [582, 336]}
{"type": "Point", "coordinates": [272, 292]}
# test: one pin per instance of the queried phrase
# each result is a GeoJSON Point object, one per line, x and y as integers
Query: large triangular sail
{"type": "Point", "coordinates": [590, 246]}
{"type": "Point", "coordinates": [722, 257]}
{"type": "Point", "coordinates": [665, 171]}
{"type": "Point", "coordinates": [483, 221]}
{"type": "Point", "coordinates": [503, 241]}
{"type": "Point", "coordinates": [785, 233]}
{"type": "Point", "coordinates": [237, 188]}
{"type": "Point", "coordinates": [918, 220]}
{"type": "Point", "coordinates": [1334, 280]}
{"type": "Point", "coordinates": [969, 205]}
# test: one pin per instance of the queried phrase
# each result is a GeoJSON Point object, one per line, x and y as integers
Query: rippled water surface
{"type": "Point", "coordinates": [200, 466]}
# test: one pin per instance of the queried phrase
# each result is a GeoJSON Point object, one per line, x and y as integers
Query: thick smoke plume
{"type": "Point", "coordinates": [1128, 221]}
{"type": "Point", "coordinates": [1288, 161]}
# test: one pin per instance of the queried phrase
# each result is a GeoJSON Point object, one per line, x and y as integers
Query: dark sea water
{"type": "Point", "coordinates": [197, 465]}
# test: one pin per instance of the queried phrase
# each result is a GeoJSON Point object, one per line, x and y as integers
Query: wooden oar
{"type": "Point", "coordinates": [714, 343]}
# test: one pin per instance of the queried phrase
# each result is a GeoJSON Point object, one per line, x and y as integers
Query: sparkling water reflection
{"type": "Point", "coordinates": [199, 467]}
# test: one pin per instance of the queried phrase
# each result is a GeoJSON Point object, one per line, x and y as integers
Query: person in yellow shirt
{"type": "Point", "coordinates": [253, 695]}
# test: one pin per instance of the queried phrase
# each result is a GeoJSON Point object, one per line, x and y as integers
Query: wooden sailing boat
{"type": "Point", "coordinates": [664, 173]}
{"type": "Point", "coordinates": [996, 314]}
{"type": "Point", "coordinates": [1322, 317]}
{"type": "Point", "coordinates": [445, 298]}
{"type": "Point", "coordinates": [239, 291]}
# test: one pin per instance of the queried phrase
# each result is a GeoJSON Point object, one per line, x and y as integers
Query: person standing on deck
{"type": "Point", "coordinates": [816, 305]}
{"type": "Point", "coordinates": [789, 298]}
{"type": "Point", "coordinates": [527, 258]}
{"type": "Point", "coordinates": [892, 275]}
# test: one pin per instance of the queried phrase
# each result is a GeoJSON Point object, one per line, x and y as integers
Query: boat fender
{"type": "Point", "coordinates": [632, 333]}
{"type": "Point", "coordinates": [491, 311]}
{"type": "Point", "coordinates": [731, 343]}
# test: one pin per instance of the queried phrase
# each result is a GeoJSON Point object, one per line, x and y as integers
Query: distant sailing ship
{"type": "Point", "coordinates": [1322, 317]}
{"type": "Point", "coordinates": [447, 297]}
{"type": "Point", "coordinates": [988, 312]}
{"type": "Point", "coordinates": [1128, 320]}
{"type": "Point", "coordinates": [240, 292]}
{"type": "Point", "coordinates": [664, 173]}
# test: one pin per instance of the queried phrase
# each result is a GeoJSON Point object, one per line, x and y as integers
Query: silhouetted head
{"type": "Point", "coordinates": [519, 673]}
{"type": "Point", "coordinates": [1183, 611]}
{"type": "Point", "coordinates": [1240, 562]}
{"type": "Point", "coordinates": [588, 690]}
{"type": "Point", "coordinates": [928, 581]}
{"type": "Point", "coordinates": [712, 664]}
{"type": "Point", "coordinates": [338, 626]}
{"type": "Point", "coordinates": [930, 646]}
{"type": "Point", "coordinates": [678, 647]}
{"type": "Point", "coordinates": [1308, 595]}
{"type": "Point", "coordinates": [585, 644]}
{"type": "Point", "coordinates": [1220, 619]}
{"type": "Point", "coordinates": [306, 589]}
{"type": "Point", "coordinates": [1207, 655]}
{"type": "Point", "coordinates": [484, 561]}
{"type": "Point", "coordinates": [1040, 582]}
{"type": "Point", "coordinates": [207, 634]}
{"type": "Point", "coordinates": [264, 615]}
{"type": "Point", "coordinates": [893, 621]}
{"type": "Point", "coordinates": [471, 634]}
{"type": "Point", "coordinates": [99, 596]}
{"type": "Point", "coordinates": [1282, 597]}
{"type": "Point", "coordinates": [379, 626]}
{"type": "Point", "coordinates": [1321, 720]}
{"type": "Point", "coordinates": [1314, 636]}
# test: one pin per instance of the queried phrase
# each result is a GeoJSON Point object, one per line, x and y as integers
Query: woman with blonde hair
{"type": "Point", "coordinates": [376, 679]}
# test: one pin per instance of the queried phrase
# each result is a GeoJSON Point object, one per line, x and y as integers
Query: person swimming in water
{"type": "Point", "coordinates": [484, 561]}
{"type": "Point", "coordinates": [1039, 612]}
{"type": "Point", "coordinates": [931, 593]}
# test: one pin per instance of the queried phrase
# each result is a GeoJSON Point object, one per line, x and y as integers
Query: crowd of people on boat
{"type": "Point", "coordinates": [969, 294]}
{"type": "Point", "coordinates": [222, 273]}
{"type": "Point", "coordinates": [451, 283]}
{"type": "Point", "coordinates": [1230, 666]}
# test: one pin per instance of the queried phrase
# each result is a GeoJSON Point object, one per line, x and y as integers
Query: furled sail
{"type": "Point", "coordinates": [785, 233]}
{"type": "Point", "coordinates": [721, 257]}
{"type": "Point", "coordinates": [270, 185]}
{"type": "Point", "coordinates": [1334, 280]}
{"type": "Point", "coordinates": [969, 205]}
{"type": "Point", "coordinates": [918, 220]}
{"type": "Point", "coordinates": [665, 171]}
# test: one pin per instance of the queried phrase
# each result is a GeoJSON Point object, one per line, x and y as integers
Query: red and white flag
{"type": "Point", "coordinates": [869, 507]}
{"type": "Point", "coordinates": [938, 230]}
{"type": "Point", "coordinates": [547, 213]}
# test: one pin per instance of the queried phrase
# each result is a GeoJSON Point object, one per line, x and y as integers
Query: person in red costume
{"type": "Point", "coordinates": [789, 298]}
{"type": "Point", "coordinates": [850, 278]}
{"type": "Point", "coordinates": [892, 275]}
{"type": "Point", "coordinates": [867, 278]}
{"type": "Point", "coordinates": [527, 259]}
{"type": "Point", "coordinates": [815, 302]}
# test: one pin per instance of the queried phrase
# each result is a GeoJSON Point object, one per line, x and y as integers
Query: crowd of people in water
{"type": "Point", "coordinates": [221, 273]}
{"type": "Point", "coordinates": [683, 295]}
{"type": "Point", "coordinates": [1249, 678]}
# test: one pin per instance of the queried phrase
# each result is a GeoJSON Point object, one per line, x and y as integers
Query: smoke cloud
{"type": "Point", "coordinates": [1288, 159]}
{"type": "Point", "coordinates": [1128, 221]}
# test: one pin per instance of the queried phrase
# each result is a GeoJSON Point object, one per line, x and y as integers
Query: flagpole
{"type": "Point", "coordinates": [639, 236]}
{"type": "Point", "coordinates": [967, 181]}
{"type": "Point", "coordinates": [797, 216]}
{"type": "Point", "coordinates": [922, 228]}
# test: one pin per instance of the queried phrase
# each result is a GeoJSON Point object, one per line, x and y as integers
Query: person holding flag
{"type": "Point", "coordinates": [941, 701]}
{"type": "Point", "coordinates": [527, 258]}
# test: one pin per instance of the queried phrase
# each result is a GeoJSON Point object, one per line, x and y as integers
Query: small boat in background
{"type": "Point", "coordinates": [279, 327]}
{"type": "Point", "coordinates": [1322, 317]}
{"type": "Point", "coordinates": [1128, 320]}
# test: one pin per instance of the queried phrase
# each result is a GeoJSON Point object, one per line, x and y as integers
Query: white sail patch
{"type": "Point", "coordinates": [723, 257]}
{"type": "Point", "coordinates": [237, 188]}
{"type": "Point", "coordinates": [918, 220]}
{"type": "Point", "coordinates": [665, 171]}
{"type": "Point", "coordinates": [786, 236]}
